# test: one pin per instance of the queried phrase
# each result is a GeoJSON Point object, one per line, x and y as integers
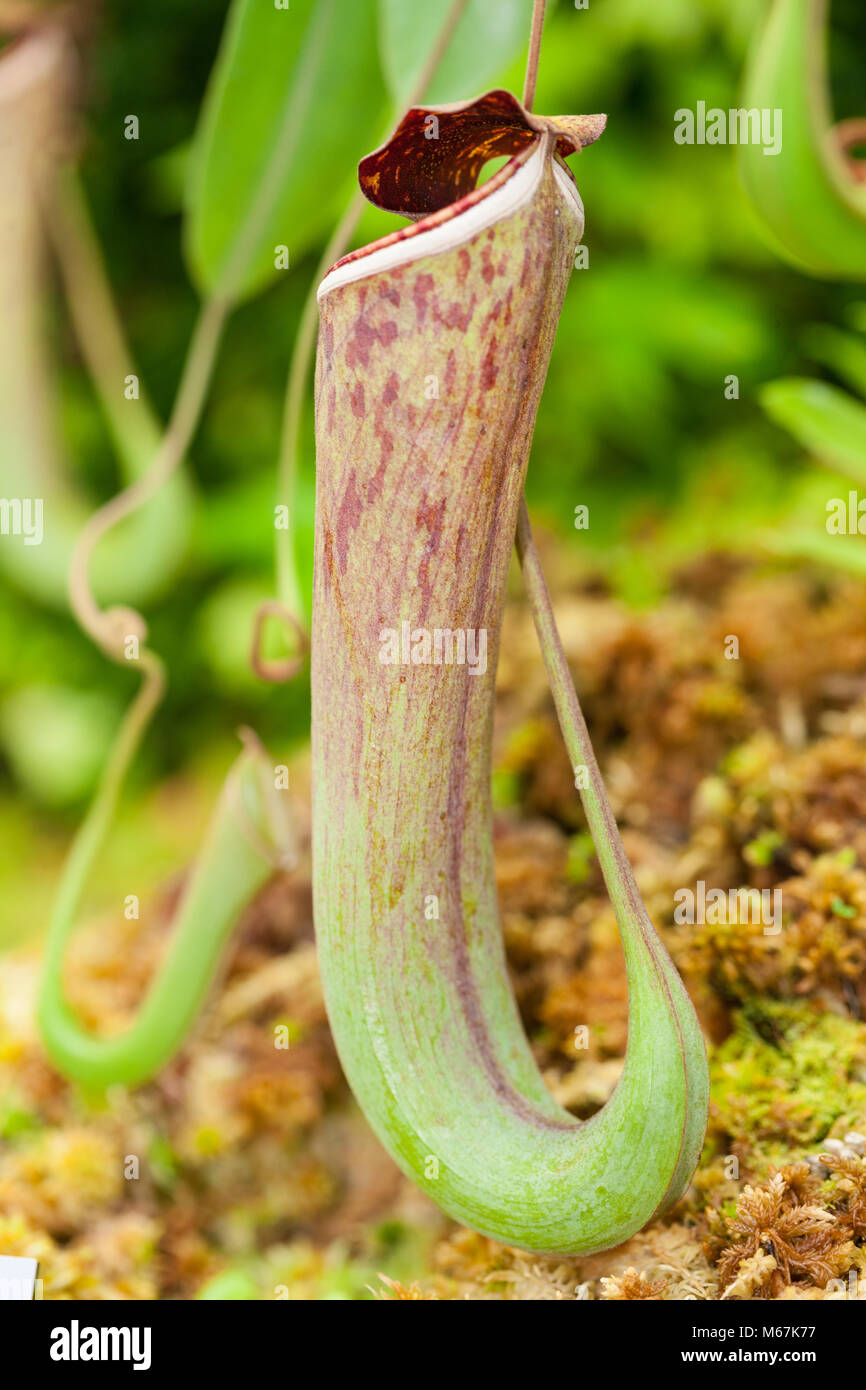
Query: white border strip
{"type": "Point", "coordinates": [514, 194]}
{"type": "Point", "coordinates": [569, 188]}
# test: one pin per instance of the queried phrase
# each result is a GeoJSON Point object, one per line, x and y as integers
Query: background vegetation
{"type": "Point", "coordinates": [680, 292]}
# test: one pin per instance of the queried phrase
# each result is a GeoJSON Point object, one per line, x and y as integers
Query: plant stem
{"type": "Point", "coordinates": [617, 871]}
{"type": "Point", "coordinates": [175, 442]}
{"type": "Point", "coordinates": [167, 1012]}
{"type": "Point", "coordinates": [248, 833]}
{"type": "Point", "coordinates": [247, 836]}
{"type": "Point", "coordinates": [288, 587]}
{"type": "Point", "coordinates": [534, 53]}
{"type": "Point", "coordinates": [602, 824]}
{"type": "Point", "coordinates": [133, 425]}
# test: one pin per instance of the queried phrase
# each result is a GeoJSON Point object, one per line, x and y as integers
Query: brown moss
{"type": "Point", "coordinates": [805, 1241]}
{"type": "Point", "coordinates": [632, 1285]}
{"type": "Point", "coordinates": [395, 1290]}
{"type": "Point", "coordinates": [851, 1188]}
{"type": "Point", "coordinates": [819, 949]}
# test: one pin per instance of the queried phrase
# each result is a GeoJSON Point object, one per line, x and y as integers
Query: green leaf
{"type": "Point", "coordinates": [830, 424]}
{"type": "Point", "coordinates": [812, 208]}
{"type": "Point", "coordinates": [294, 101]}
{"type": "Point", "coordinates": [843, 352]}
{"type": "Point", "coordinates": [487, 39]}
{"type": "Point", "coordinates": [842, 552]}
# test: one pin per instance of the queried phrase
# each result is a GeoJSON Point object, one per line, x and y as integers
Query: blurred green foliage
{"type": "Point", "coordinates": [680, 293]}
{"type": "Point", "coordinates": [489, 35]}
{"type": "Point", "coordinates": [265, 166]}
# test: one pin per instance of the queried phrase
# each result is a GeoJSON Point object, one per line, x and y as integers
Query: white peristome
{"type": "Point", "coordinates": [503, 202]}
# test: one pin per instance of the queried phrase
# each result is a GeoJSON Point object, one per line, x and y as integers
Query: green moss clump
{"type": "Point", "coordinates": [786, 1078]}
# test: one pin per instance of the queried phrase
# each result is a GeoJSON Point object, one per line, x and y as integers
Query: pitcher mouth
{"type": "Point", "coordinates": [510, 189]}
{"type": "Point", "coordinates": [429, 171]}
